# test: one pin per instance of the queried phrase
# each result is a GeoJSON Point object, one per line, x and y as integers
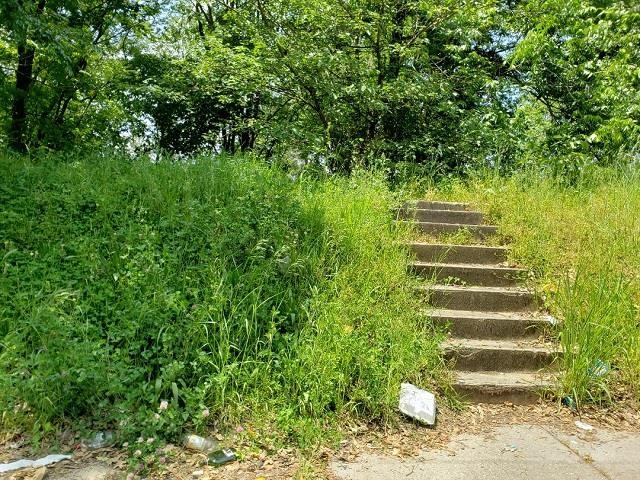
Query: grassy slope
{"type": "Point", "coordinates": [583, 245]}
{"type": "Point", "coordinates": [219, 285]}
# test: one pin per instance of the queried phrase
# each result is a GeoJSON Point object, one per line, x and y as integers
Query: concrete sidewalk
{"type": "Point", "coordinates": [511, 453]}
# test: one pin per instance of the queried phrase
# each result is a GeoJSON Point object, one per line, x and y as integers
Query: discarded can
{"type": "Point", "coordinates": [220, 457]}
{"type": "Point", "coordinates": [199, 444]}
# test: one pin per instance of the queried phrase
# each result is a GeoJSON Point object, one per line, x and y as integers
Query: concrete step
{"type": "Point", "coordinates": [441, 216]}
{"type": "Point", "coordinates": [483, 299]}
{"type": "Point", "coordinates": [473, 355]}
{"type": "Point", "coordinates": [520, 388]}
{"type": "Point", "coordinates": [471, 274]}
{"type": "Point", "coordinates": [478, 231]}
{"type": "Point", "coordinates": [492, 325]}
{"type": "Point", "coordinates": [434, 205]}
{"type": "Point", "coordinates": [429, 252]}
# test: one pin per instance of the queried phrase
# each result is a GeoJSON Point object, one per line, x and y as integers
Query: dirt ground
{"type": "Point", "coordinates": [405, 440]}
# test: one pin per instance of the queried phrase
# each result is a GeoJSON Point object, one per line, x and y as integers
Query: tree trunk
{"type": "Point", "coordinates": [397, 41]}
{"type": "Point", "coordinates": [24, 80]}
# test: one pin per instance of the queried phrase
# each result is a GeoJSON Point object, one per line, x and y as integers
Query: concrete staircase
{"type": "Point", "coordinates": [496, 328]}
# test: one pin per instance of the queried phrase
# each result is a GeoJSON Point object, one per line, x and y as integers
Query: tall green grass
{"type": "Point", "coordinates": [582, 244]}
{"type": "Point", "coordinates": [212, 285]}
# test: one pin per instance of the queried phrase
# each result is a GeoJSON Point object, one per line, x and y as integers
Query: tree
{"type": "Point", "coordinates": [579, 60]}
{"type": "Point", "coordinates": [62, 47]}
{"type": "Point", "coordinates": [361, 81]}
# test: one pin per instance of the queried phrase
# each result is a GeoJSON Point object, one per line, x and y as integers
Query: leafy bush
{"type": "Point", "coordinates": [209, 284]}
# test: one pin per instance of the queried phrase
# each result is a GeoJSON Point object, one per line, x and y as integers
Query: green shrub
{"type": "Point", "coordinates": [213, 284]}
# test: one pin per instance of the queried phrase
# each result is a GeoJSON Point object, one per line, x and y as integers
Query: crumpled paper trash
{"type": "Point", "coordinates": [418, 404]}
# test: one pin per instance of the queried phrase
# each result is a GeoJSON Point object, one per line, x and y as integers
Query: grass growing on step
{"type": "Point", "coordinates": [583, 246]}
{"type": "Point", "coordinates": [218, 286]}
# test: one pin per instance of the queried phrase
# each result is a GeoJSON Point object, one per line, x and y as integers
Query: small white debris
{"type": "Point", "coordinates": [418, 404]}
{"type": "Point", "coordinates": [510, 448]}
{"type": "Point", "coordinates": [552, 320]}
{"type": "Point", "coordinates": [197, 473]}
{"type": "Point", "coordinates": [48, 460]}
{"type": "Point", "coordinates": [584, 426]}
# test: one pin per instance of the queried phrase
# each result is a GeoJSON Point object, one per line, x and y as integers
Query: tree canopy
{"type": "Point", "coordinates": [417, 84]}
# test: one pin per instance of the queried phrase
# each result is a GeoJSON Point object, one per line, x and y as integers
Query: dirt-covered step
{"type": "Point", "coordinates": [471, 274]}
{"type": "Point", "coordinates": [478, 254]}
{"type": "Point", "coordinates": [479, 232]}
{"type": "Point", "coordinates": [435, 205]}
{"type": "Point", "coordinates": [441, 216]}
{"type": "Point", "coordinates": [492, 325]}
{"type": "Point", "coordinates": [484, 299]}
{"type": "Point", "coordinates": [474, 355]}
{"type": "Point", "coordinates": [520, 388]}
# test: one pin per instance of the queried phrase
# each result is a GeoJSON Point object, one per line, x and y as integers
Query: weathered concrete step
{"type": "Point", "coordinates": [492, 325]}
{"type": "Point", "coordinates": [441, 216]}
{"type": "Point", "coordinates": [429, 252]}
{"type": "Point", "coordinates": [434, 205]}
{"type": "Point", "coordinates": [484, 299]}
{"type": "Point", "coordinates": [478, 231]}
{"type": "Point", "coordinates": [482, 275]}
{"type": "Point", "coordinates": [521, 388]}
{"type": "Point", "coordinates": [475, 355]}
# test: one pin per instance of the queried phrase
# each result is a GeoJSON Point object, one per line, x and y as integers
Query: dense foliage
{"type": "Point", "coordinates": [583, 247]}
{"type": "Point", "coordinates": [580, 63]}
{"type": "Point", "coordinates": [415, 84]}
{"type": "Point", "coordinates": [221, 286]}
{"type": "Point", "coordinates": [169, 271]}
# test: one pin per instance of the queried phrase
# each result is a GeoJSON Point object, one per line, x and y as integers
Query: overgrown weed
{"type": "Point", "coordinates": [151, 298]}
{"type": "Point", "coordinates": [582, 243]}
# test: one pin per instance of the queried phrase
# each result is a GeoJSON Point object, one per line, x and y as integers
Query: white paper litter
{"type": "Point", "coordinates": [42, 462]}
{"type": "Point", "coordinates": [552, 320]}
{"type": "Point", "coordinates": [583, 426]}
{"type": "Point", "coordinates": [417, 403]}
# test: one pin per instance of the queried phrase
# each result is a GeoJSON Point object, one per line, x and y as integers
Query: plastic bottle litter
{"type": "Point", "coordinates": [100, 440]}
{"type": "Point", "coordinates": [418, 404]}
{"type": "Point", "coordinates": [200, 444]}
{"type": "Point", "coordinates": [599, 369]}
{"type": "Point", "coordinates": [17, 465]}
{"type": "Point", "coordinates": [570, 403]}
{"type": "Point", "coordinates": [220, 457]}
